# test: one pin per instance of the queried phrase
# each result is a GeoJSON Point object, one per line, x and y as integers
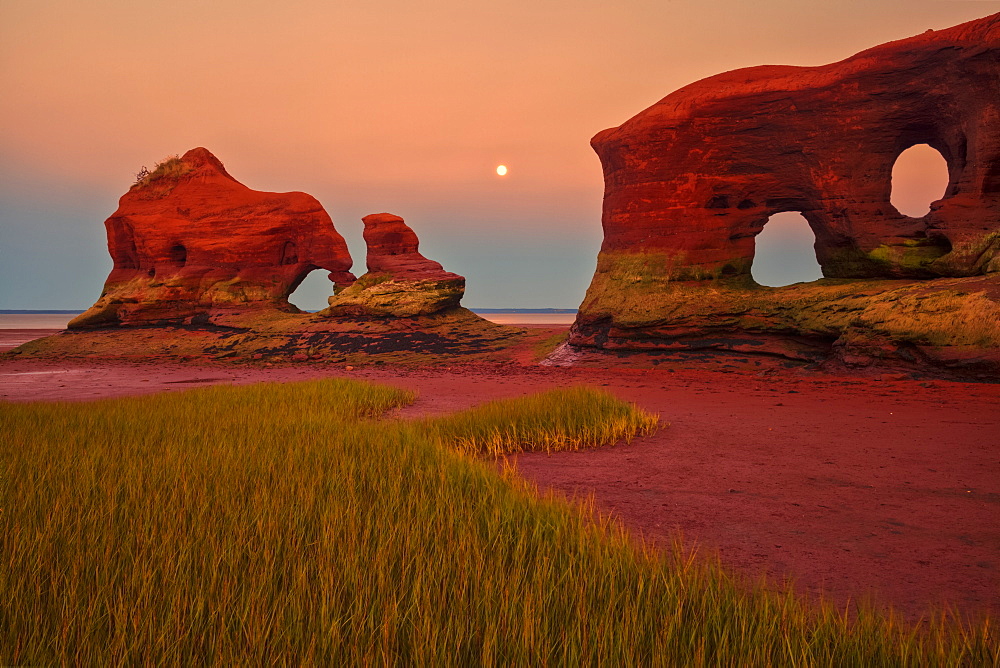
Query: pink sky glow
{"type": "Point", "coordinates": [375, 106]}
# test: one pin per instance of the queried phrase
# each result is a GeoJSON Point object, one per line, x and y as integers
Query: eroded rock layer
{"type": "Point", "coordinates": [690, 181]}
{"type": "Point", "coordinates": [697, 175]}
{"type": "Point", "coordinates": [189, 242]}
{"type": "Point", "coordinates": [400, 281]}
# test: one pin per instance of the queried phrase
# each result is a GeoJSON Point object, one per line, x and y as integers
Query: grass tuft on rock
{"type": "Point", "coordinates": [166, 171]}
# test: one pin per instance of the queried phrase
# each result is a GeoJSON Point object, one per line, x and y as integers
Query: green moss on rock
{"type": "Point", "coordinates": [383, 295]}
{"type": "Point", "coordinates": [912, 257]}
{"type": "Point", "coordinates": [628, 298]}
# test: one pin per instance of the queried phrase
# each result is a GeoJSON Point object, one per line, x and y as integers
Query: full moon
{"type": "Point", "coordinates": [501, 170]}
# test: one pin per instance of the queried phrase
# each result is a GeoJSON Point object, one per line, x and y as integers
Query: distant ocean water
{"type": "Point", "coordinates": [515, 318]}
{"type": "Point", "coordinates": [36, 320]}
{"type": "Point", "coordinates": [59, 319]}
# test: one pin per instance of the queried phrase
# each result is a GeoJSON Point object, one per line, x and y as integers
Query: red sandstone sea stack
{"type": "Point", "coordinates": [696, 176]}
{"type": "Point", "coordinates": [189, 241]}
{"type": "Point", "coordinates": [400, 281]}
{"type": "Point", "coordinates": [690, 181]}
{"type": "Point", "coordinates": [393, 249]}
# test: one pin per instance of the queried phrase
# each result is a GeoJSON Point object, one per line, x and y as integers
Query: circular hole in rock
{"type": "Point", "coordinates": [919, 177]}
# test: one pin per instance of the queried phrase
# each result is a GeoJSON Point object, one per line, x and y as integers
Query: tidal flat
{"type": "Point", "coordinates": [335, 520]}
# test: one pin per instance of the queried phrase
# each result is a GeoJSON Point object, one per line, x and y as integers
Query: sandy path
{"type": "Point", "coordinates": [850, 486]}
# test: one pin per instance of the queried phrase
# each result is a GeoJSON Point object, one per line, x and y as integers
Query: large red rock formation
{"type": "Point", "coordinates": [695, 176]}
{"type": "Point", "coordinates": [400, 281]}
{"type": "Point", "coordinates": [189, 240]}
{"type": "Point", "coordinates": [690, 181]}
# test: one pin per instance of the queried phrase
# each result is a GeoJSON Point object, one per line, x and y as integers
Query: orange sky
{"type": "Point", "coordinates": [373, 106]}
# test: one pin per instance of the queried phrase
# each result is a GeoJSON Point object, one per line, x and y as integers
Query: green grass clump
{"type": "Point", "coordinates": [288, 524]}
{"type": "Point", "coordinates": [565, 419]}
{"type": "Point", "coordinates": [171, 167]}
{"type": "Point", "coordinates": [547, 346]}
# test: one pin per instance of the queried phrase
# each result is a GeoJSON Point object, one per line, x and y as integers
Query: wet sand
{"type": "Point", "coordinates": [853, 486]}
{"type": "Point", "coordinates": [12, 338]}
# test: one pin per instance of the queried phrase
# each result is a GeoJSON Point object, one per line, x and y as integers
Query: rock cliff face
{"type": "Point", "coordinates": [400, 281]}
{"type": "Point", "coordinates": [189, 241]}
{"type": "Point", "coordinates": [690, 181]}
{"type": "Point", "coordinates": [695, 176]}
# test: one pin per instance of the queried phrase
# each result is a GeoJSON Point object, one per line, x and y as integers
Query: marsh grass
{"type": "Point", "coordinates": [288, 524]}
{"type": "Point", "coordinates": [564, 419]}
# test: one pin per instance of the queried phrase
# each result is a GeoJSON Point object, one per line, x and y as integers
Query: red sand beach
{"type": "Point", "coordinates": [851, 485]}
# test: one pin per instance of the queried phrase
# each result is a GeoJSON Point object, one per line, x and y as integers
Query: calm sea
{"type": "Point", "coordinates": [530, 318]}
{"type": "Point", "coordinates": [35, 320]}
{"type": "Point", "coordinates": [59, 320]}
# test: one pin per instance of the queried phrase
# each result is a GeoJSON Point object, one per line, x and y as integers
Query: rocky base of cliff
{"type": "Point", "coordinates": [944, 323]}
{"type": "Point", "coordinates": [265, 336]}
{"type": "Point", "coordinates": [386, 295]}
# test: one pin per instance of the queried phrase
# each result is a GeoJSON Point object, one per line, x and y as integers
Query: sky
{"type": "Point", "coordinates": [377, 105]}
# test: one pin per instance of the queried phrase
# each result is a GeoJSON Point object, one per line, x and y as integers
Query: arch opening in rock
{"type": "Point", "coordinates": [919, 177]}
{"type": "Point", "coordinates": [178, 254]}
{"type": "Point", "coordinates": [313, 292]}
{"type": "Point", "coordinates": [784, 252]}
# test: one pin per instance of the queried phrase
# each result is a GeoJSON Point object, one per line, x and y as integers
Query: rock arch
{"type": "Point", "coordinates": [694, 174]}
{"type": "Point", "coordinates": [690, 181]}
{"type": "Point", "coordinates": [200, 242]}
